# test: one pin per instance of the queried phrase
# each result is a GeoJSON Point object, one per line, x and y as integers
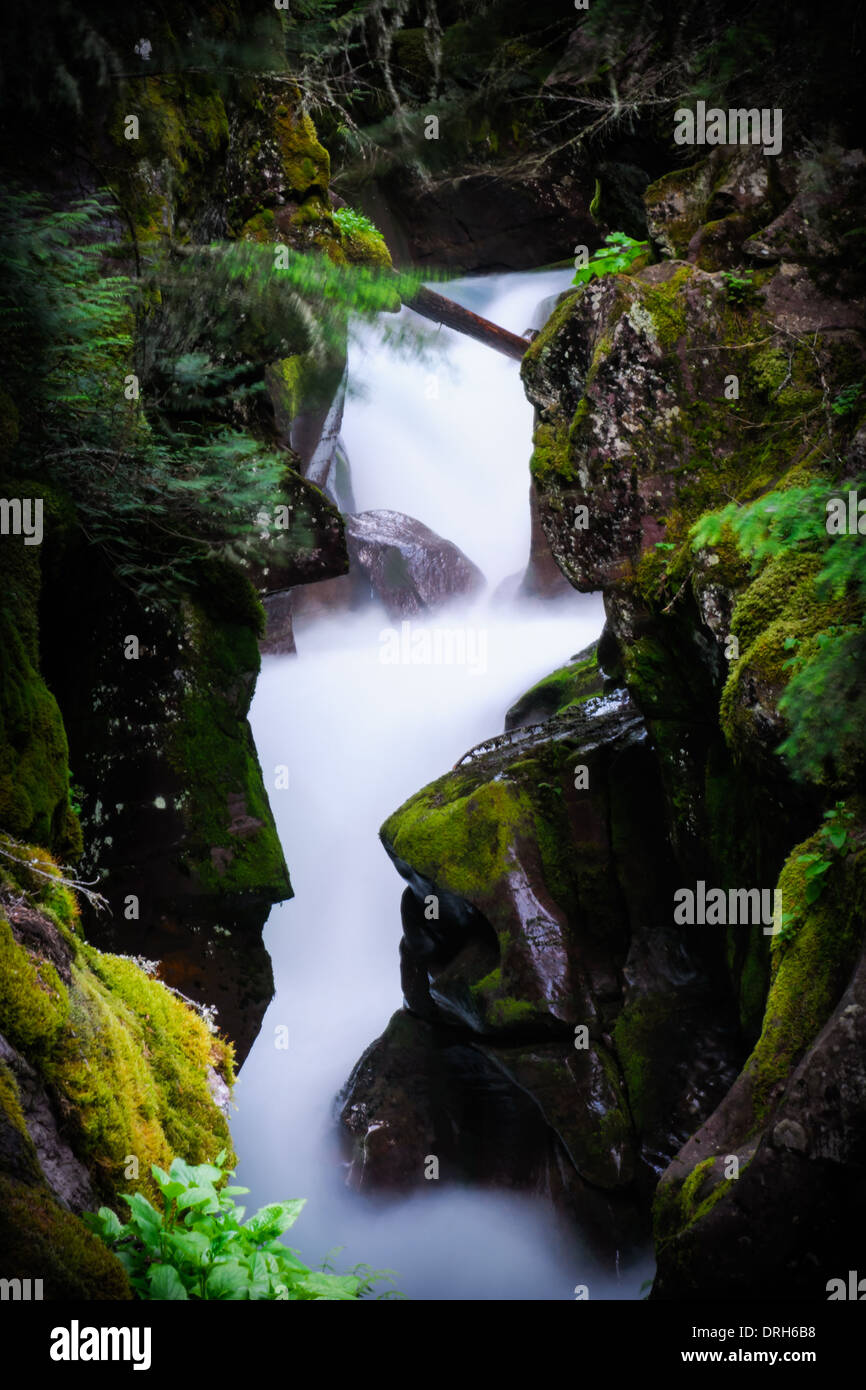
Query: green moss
{"type": "Point", "coordinates": [489, 983]}
{"type": "Point", "coordinates": [130, 1071]}
{"type": "Point", "coordinates": [10, 1103]}
{"type": "Point", "coordinates": [183, 133]}
{"type": "Point", "coordinates": [366, 247]}
{"type": "Point", "coordinates": [40, 1240]}
{"type": "Point", "coordinates": [260, 227]}
{"type": "Point", "coordinates": [460, 841]}
{"type": "Point", "coordinates": [665, 305]}
{"type": "Point", "coordinates": [306, 163]}
{"type": "Point", "coordinates": [637, 1037]}
{"type": "Point", "coordinates": [227, 594]}
{"type": "Point", "coordinates": [505, 1011]}
{"type": "Point", "coordinates": [211, 747]}
{"type": "Point", "coordinates": [34, 766]}
{"type": "Point", "coordinates": [22, 870]}
{"type": "Point", "coordinates": [565, 688]}
{"type": "Point", "coordinates": [809, 971]}
{"type": "Point", "coordinates": [551, 455]}
{"type": "Point", "coordinates": [34, 1003]}
{"type": "Point", "coordinates": [779, 614]}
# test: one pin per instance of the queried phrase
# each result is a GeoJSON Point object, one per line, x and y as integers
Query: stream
{"type": "Point", "coordinates": [359, 736]}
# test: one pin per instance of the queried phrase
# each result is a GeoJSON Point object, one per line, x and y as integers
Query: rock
{"type": "Point", "coordinates": [468, 219]}
{"type": "Point", "coordinates": [542, 578]}
{"type": "Point", "coordinates": [419, 1092]}
{"type": "Point", "coordinates": [815, 227]}
{"type": "Point", "coordinates": [528, 946]}
{"type": "Point", "coordinates": [279, 638]}
{"type": "Point", "coordinates": [794, 1119]}
{"type": "Point", "coordinates": [576, 682]}
{"type": "Point", "coordinates": [406, 565]}
{"type": "Point", "coordinates": [67, 1178]}
{"type": "Point", "coordinates": [704, 213]}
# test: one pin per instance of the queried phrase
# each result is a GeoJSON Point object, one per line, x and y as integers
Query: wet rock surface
{"type": "Point", "coordinates": [407, 565]}
{"type": "Point", "coordinates": [549, 964]}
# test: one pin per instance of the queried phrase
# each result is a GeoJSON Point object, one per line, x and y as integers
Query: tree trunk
{"type": "Point", "coordinates": [441, 310]}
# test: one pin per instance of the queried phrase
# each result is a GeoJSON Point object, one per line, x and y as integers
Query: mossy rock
{"type": "Point", "coordinates": [231, 845]}
{"type": "Point", "coordinates": [34, 1002]}
{"type": "Point", "coordinates": [131, 1073]}
{"type": "Point", "coordinates": [40, 1240]}
{"type": "Point", "coordinates": [128, 1063]}
{"type": "Point", "coordinates": [34, 762]}
{"type": "Point", "coordinates": [810, 965]}
{"type": "Point", "coordinates": [564, 688]}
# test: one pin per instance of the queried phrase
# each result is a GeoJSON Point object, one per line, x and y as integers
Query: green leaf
{"type": "Point", "coordinates": [228, 1281]}
{"type": "Point", "coordinates": [106, 1224]}
{"type": "Point", "coordinates": [145, 1218]}
{"type": "Point", "coordinates": [275, 1218]}
{"type": "Point", "coordinates": [339, 1287]}
{"type": "Point", "coordinates": [204, 1197]}
{"type": "Point", "coordinates": [165, 1283]}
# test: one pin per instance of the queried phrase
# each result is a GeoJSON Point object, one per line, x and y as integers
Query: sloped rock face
{"type": "Point", "coordinates": [531, 941]}
{"type": "Point", "coordinates": [99, 1064]}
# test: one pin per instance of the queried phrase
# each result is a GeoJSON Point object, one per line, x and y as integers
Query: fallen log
{"type": "Point", "coordinates": [441, 310]}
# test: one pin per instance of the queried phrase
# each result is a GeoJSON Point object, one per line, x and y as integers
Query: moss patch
{"type": "Point", "coordinates": [808, 971]}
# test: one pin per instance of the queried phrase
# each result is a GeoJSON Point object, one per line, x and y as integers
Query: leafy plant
{"type": "Point", "coordinates": [831, 848]}
{"type": "Point", "coordinates": [200, 1247]}
{"type": "Point", "coordinates": [349, 221]}
{"type": "Point", "coordinates": [824, 702]}
{"type": "Point", "coordinates": [848, 399]}
{"type": "Point", "coordinates": [137, 396]}
{"type": "Point", "coordinates": [618, 253]}
{"type": "Point", "coordinates": [75, 795]}
{"type": "Point", "coordinates": [740, 289]}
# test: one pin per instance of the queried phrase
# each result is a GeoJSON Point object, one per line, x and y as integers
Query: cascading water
{"type": "Point", "coordinates": [359, 736]}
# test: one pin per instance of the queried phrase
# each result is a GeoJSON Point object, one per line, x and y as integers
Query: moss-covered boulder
{"type": "Point", "coordinates": [103, 1071]}
{"type": "Point", "coordinates": [570, 685]}
{"type": "Point", "coordinates": [772, 1182]}
{"type": "Point", "coordinates": [532, 935]}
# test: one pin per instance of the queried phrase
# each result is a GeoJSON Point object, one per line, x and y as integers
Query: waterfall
{"type": "Point", "coordinates": [358, 737]}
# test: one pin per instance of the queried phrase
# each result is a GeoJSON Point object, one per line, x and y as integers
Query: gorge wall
{"type": "Point", "coordinates": [562, 1030]}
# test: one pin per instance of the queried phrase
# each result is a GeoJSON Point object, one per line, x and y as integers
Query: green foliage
{"type": "Point", "coordinates": [617, 255]}
{"type": "Point", "coordinates": [825, 699]}
{"type": "Point", "coordinates": [830, 846]}
{"type": "Point", "coordinates": [848, 399]}
{"type": "Point", "coordinates": [175, 475]}
{"type": "Point", "coordinates": [740, 289]}
{"type": "Point", "coordinates": [200, 1247]}
{"type": "Point", "coordinates": [75, 795]}
{"type": "Point", "coordinates": [349, 221]}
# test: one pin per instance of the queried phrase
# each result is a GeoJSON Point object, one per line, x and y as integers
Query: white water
{"type": "Point", "coordinates": [358, 737]}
